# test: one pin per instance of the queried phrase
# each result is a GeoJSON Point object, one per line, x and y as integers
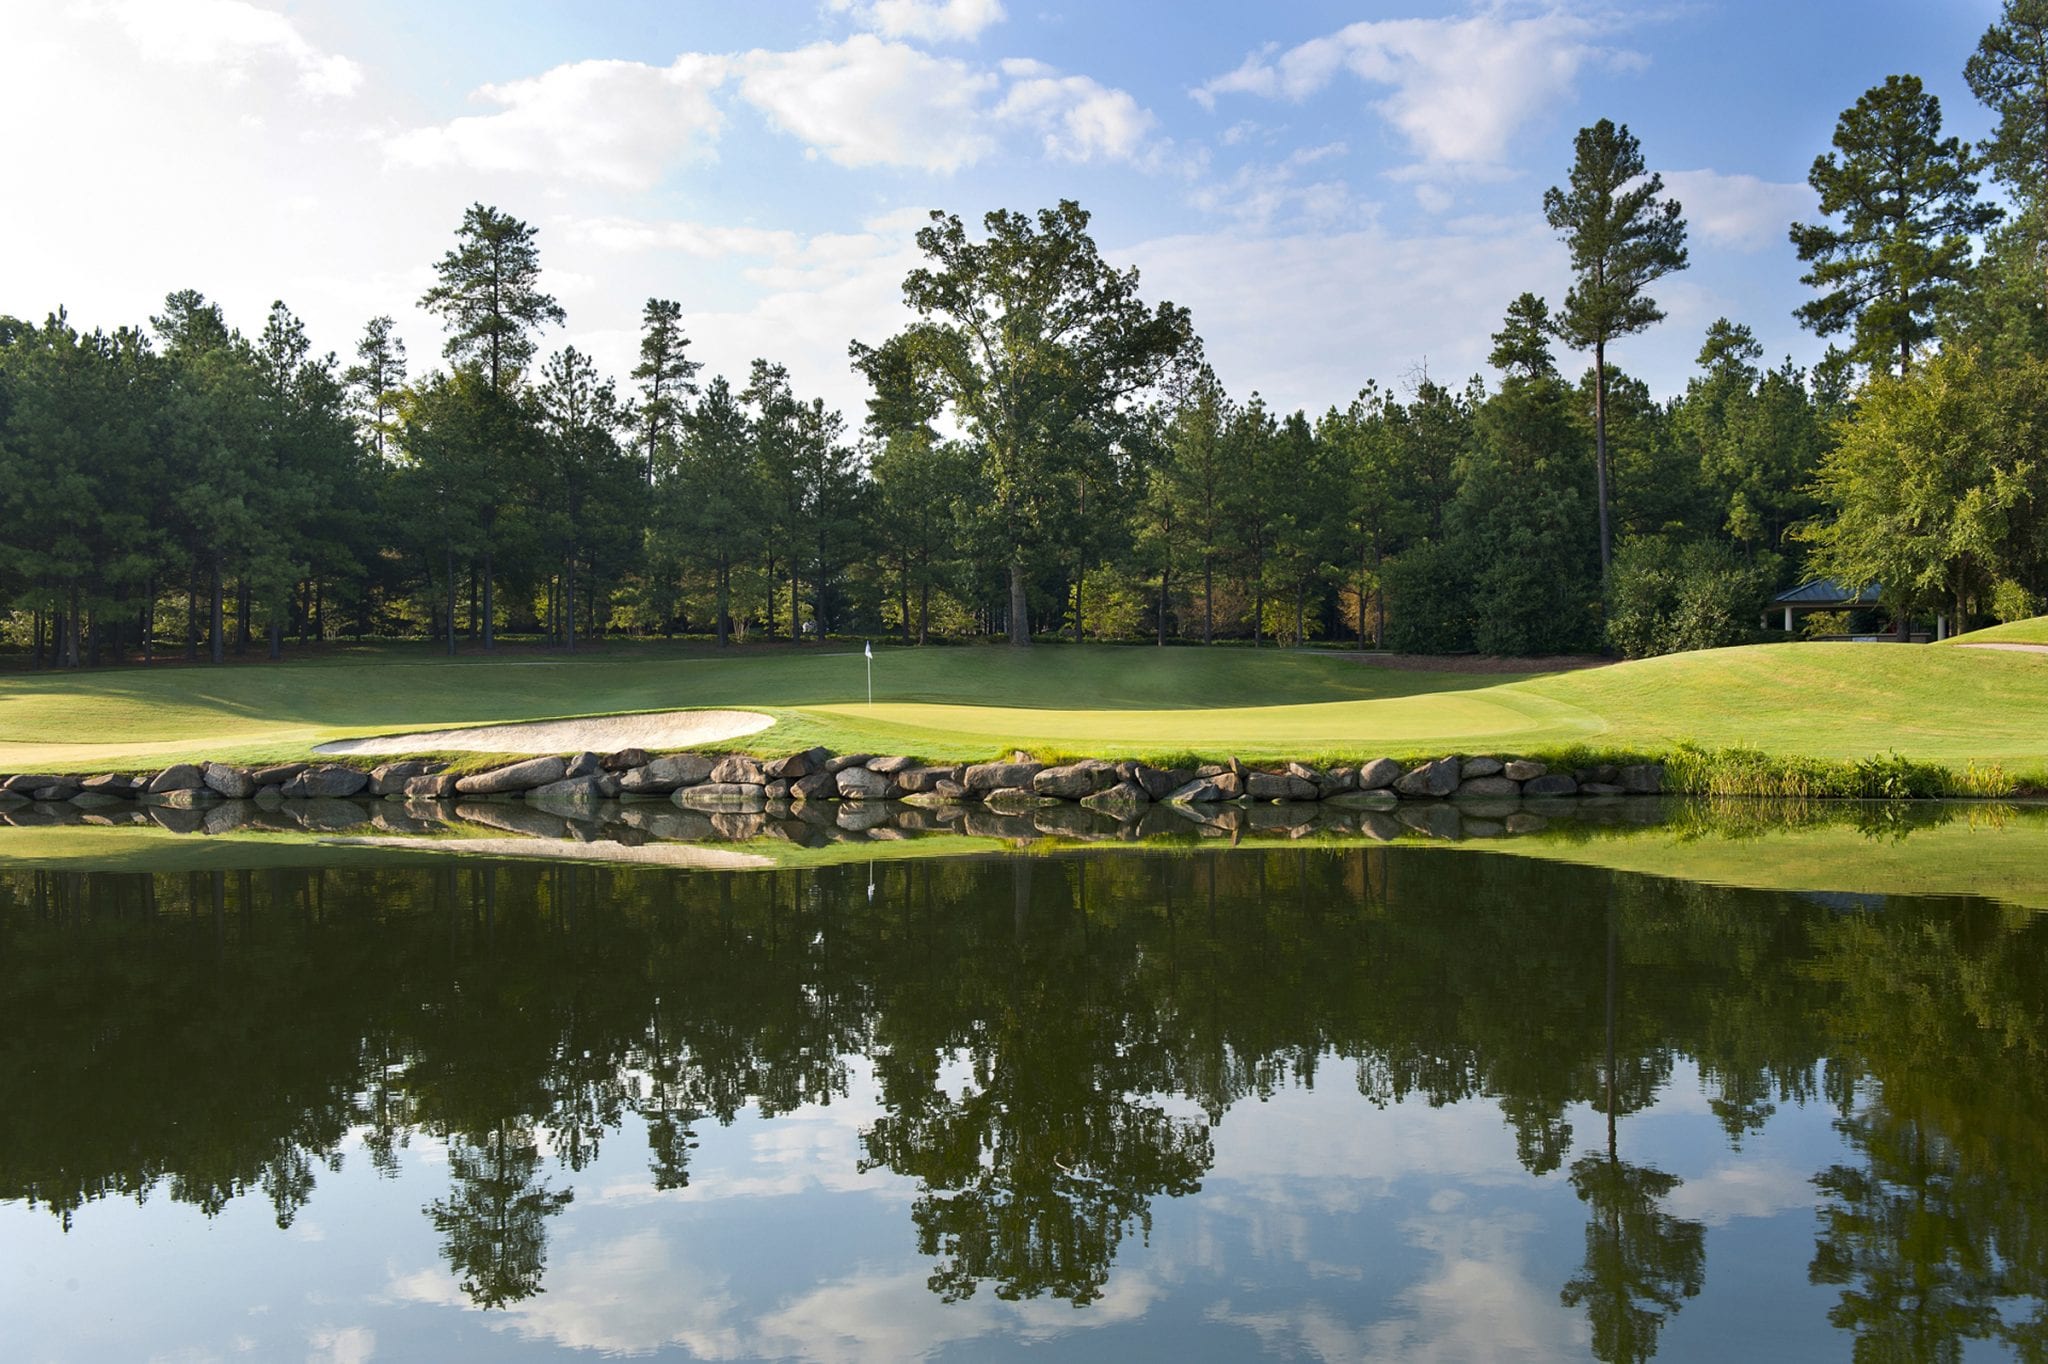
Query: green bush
{"type": "Point", "coordinates": [1671, 596]}
{"type": "Point", "coordinates": [1429, 602]}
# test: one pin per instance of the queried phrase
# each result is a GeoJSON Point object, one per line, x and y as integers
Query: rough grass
{"type": "Point", "coordinates": [2032, 631]}
{"type": "Point", "coordinates": [1882, 710]}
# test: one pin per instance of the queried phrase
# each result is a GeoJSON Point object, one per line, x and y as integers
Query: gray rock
{"type": "Point", "coordinates": [1434, 779]}
{"type": "Point", "coordinates": [862, 783]}
{"type": "Point", "coordinates": [1073, 781]}
{"type": "Point", "coordinates": [229, 816]}
{"type": "Point", "coordinates": [60, 789]}
{"type": "Point", "coordinates": [1159, 782]}
{"type": "Point", "coordinates": [1303, 771]}
{"type": "Point", "coordinates": [1336, 783]}
{"type": "Point", "coordinates": [184, 798]}
{"type": "Point", "coordinates": [521, 776]}
{"type": "Point", "coordinates": [931, 800]}
{"type": "Point", "coordinates": [95, 800]}
{"type": "Point", "coordinates": [839, 763]}
{"type": "Point", "coordinates": [1553, 784]}
{"type": "Point", "coordinates": [584, 764]}
{"type": "Point", "coordinates": [1279, 786]}
{"type": "Point", "coordinates": [277, 774]}
{"type": "Point", "coordinates": [1378, 774]}
{"type": "Point", "coordinates": [663, 775]}
{"type": "Point", "coordinates": [738, 771]}
{"type": "Point", "coordinates": [11, 799]}
{"type": "Point", "coordinates": [818, 785]}
{"type": "Point", "coordinates": [390, 779]}
{"type": "Point", "coordinates": [1200, 791]}
{"type": "Point", "coordinates": [430, 786]}
{"type": "Point", "coordinates": [1485, 787]}
{"type": "Point", "coordinates": [1600, 788]}
{"type": "Point", "coordinates": [1642, 779]}
{"type": "Point", "coordinates": [574, 791]}
{"type": "Point", "coordinates": [889, 767]}
{"type": "Point", "coordinates": [25, 782]}
{"type": "Point", "coordinates": [1480, 767]}
{"type": "Point", "coordinates": [796, 765]}
{"type": "Point", "coordinates": [775, 790]}
{"type": "Point", "coordinates": [269, 797]}
{"type": "Point", "coordinates": [177, 819]}
{"type": "Point", "coordinates": [1521, 769]}
{"type": "Point", "coordinates": [110, 784]}
{"type": "Point", "coordinates": [1229, 784]}
{"type": "Point", "coordinates": [331, 781]}
{"type": "Point", "coordinates": [626, 759]}
{"type": "Point", "coordinates": [1000, 776]}
{"type": "Point", "coordinates": [177, 777]}
{"type": "Point", "coordinates": [916, 779]}
{"type": "Point", "coordinates": [1124, 799]}
{"type": "Point", "coordinates": [951, 790]}
{"type": "Point", "coordinates": [1016, 800]}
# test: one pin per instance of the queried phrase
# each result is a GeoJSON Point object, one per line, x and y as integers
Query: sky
{"type": "Point", "coordinates": [1340, 192]}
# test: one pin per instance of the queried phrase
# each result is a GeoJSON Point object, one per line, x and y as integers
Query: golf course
{"type": "Point", "coordinates": [1955, 707]}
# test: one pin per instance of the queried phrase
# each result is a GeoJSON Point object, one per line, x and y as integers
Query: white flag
{"type": "Point", "coordinates": [868, 648]}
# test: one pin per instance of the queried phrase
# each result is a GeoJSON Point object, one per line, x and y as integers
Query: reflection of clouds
{"type": "Point", "coordinates": [1476, 1301]}
{"type": "Point", "coordinates": [1726, 1192]}
{"type": "Point", "coordinates": [346, 1345]}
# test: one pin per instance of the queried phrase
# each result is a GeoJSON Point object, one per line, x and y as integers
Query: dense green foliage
{"type": "Point", "coordinates": [1045, 452]}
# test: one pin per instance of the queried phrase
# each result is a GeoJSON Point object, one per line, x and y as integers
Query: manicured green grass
{"type": "Point", "coordinates": [2032, 631]}
{"type": "Point", "coordinates": [1830, 701]}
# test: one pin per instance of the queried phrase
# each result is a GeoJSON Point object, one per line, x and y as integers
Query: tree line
{"type": "Point", "coordinates": [1044, 452]}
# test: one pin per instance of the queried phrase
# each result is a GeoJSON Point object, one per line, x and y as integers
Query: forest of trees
{"type": "Point", "coordinates": [1044, 453]}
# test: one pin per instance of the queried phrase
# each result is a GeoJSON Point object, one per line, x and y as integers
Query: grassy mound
{"type": "Point", "coordinates": [2033, 631]}
{"type": "Point", "coordinates": [1838, 702]}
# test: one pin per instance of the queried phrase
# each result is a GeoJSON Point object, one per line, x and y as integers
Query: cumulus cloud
{"type": "Point", "coordinates": [1740, 212]}
{"type": "Point", "coordinates": [615, 122]}
{"type": "Point", "coordinates": [869, 102]}
{"type": "Point", "coordinates": [930, 20]}
{"type": "Point", "coordinates": [233, 38]}
{"type": "Point", "coordinates": [1457, 89]}
{"type": "Point", "coordinates": [1078, 118]}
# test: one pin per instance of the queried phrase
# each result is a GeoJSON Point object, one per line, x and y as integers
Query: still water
{"type": "Point", "coordinates": [1321, 1103]}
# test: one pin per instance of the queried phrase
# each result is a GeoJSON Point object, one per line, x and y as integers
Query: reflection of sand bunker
{"type": "Point", "coordinates": [569, 850]}
{"type": "Point", "coordinates": [601, 734]}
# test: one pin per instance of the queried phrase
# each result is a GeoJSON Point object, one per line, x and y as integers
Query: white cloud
{"type": "Point", "coordinates": [1260, 195]}
{"type": "Point", "coordinates": [867, 102]}
{"type": "Point", "coordinates": [614, 122]}
{"type": "Point", "coordinates": [1739, 212]}
{"type": "Point", "coordinates": [1079, 119]}
{"type": "Point", "coordinates": [232, 38]}
{"type": "Point", "coordinates": [348, 1345]}
{"type": "Point", "coordinates": [1458, 88]}
{"type": "Point", "coordinates": [931, 20]}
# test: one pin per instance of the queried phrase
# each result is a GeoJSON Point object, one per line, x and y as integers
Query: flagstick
{"type": "Point", "coordinates": [869, 650]}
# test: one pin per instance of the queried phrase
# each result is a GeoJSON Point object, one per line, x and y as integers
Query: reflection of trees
{"type": "Point", "coordinates": [493, 1224]}
{"type": "Point", "coordinates": [1054, 1039]}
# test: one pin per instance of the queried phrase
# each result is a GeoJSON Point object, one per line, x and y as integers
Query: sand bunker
{"type": "Point", "coordinates": [2010, 648]}
{"type": "Point", "coordinates": [601, 734]}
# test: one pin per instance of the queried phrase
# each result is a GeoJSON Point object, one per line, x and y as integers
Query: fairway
{"type": "Point", "coordinates": [1951, 706]}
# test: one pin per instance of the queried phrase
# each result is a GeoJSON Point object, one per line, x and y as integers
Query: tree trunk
{"type": "Point", "coordinates": [148, 621]}
{"type": "Point", "coordinates": [218, 614]}
{"type": "Point", "coordinates": [451, 600]}
{"type": "Point", "coordinates": [724, 577]}
{"type": "Point", "coordinates": [490, 600]}
{"type": "Point", "coordinates": [243, 610]}
{"type": "Point", "coordinates": [1379, 601]}
{"type": "Point", "coordinates": [276, 638]}
{"type": "Point", "coordinates": [1258, 597]}
{"type": "Point", "coordinates": [1080, 577]}
{"type": "Point", "coordinates": [192, 614]}
{"type": "Point", "coordinates": [472, 599]}
{"type": "Point", "coordinates": [319, 609]}
{"type": "Point", "coordinates": [71, 614]}
{"type": "Point", "coordinates": [1600, 465]}
{"type": "Point", "coordinates": [1208, 598]}
{"type": "Point", "coordinates": [38, 626]}
{"type": "Point", "coordinates": [768, 587]}
{"type": "Point", "coordinates": [796, 635]}
{"type": "Point", "coordinates": [1300, 604]}
{"type": "Point", "coordinates": [569, 605]}
{"type": "Point", "coordinates": [903, 598]}
{"type": "Point", "coordinates": [1020, 606]}
{"type": "Point", "coordinates": [1165, 576]}
{"type": "Point", "coordinates": [93, 640]}
{"type": "Point", "coordinates": [924, 607]}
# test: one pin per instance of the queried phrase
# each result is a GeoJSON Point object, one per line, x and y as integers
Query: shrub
{"type": "Point", "coordinates": [1429, 602]}
{"type": "Point", "coordinates": [1671, 596]}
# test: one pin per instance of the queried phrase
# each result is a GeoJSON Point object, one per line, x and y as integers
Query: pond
{"type": "Point", "coordinates": [1311, 1099]}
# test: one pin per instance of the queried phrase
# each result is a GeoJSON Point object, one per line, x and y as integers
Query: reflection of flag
{"type": "Point", "coordinates": [868, 648]}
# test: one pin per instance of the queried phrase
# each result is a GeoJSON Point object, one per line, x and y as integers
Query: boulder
{"type": "Point", "coordinates": [836, 765]}
{"type": "Point", "coordinates": [1378, 774]}
{"type": "Point", "coordinates": [862, 783]}
{"type": "Point", "coordinates": [819, 785]}
{"type": "Point", "coordinates": [1122, 800]}
{"type": "Point", "coordinates": [1485, 787]}
{"type": "Point", "coordinates": [10, 799]}
{"type": "Point", "coordinates": [110, 784]}
{"type": "Point", "coordinates": [1230, 784]}
{"type": "Point", "coordinates": [1160, 782]}
{"type": "Point", "coordinates": [329, 781]}
{"type": "Point", "coordinates": [430, 786]}
{"type": "Point", "coordinates": [775, 790]}
{"type": "Point", "coordinates": [1000, 776]}
{"type": "Point", "coordinates": [184, 798]}
{"type": "Point", "coordinates": [951, 790]}
{"type": "Point", "coordinates": [231, 782]}
{"type": "Point", "coordinates": [277, 774]}
{"type": "Point", "coordinates": [573, 791]}
{"type": "Point", "coordinates": [1435, 779]}
{"type": "Point", "coordinates": [177, 777]}
{"type": "Point", "coordinates": [26, 782]}
{"type": "Point", "coordinates": [1200, 791]}
{"type": "Point", "coordinates": [1336, 783]}
{"type": "Point", "coordinates": [1552, 784]}
{"type": "Point", "coordinates": [60, 788]}
{"type": "Point", "coordinates": [1016, 800]}
{"type": "Point", "coordinates": [663, 775]}
{"type": "Point", "coordinates": [889, 767]}
{"type": "Point", "coordinates": [1279, 786]}
{"type": "Point", "coordinates": [1480, 767]}
{"type": "Point", "coordinates": [797, 765]}
{"type": "Point", "coordinates": [520, 776]}
{"type": "Point", "coordinates": [1642, 779]}
{"type": "Point", "coordinates": [626, 759]}
{"type": "Point", "coordinates": [738, 771]}
{"type": "Point", "coordinates": [1303, 771]}
{"type": "Point", "coordinates": [584, 764]}
{"type": "Point", "coordinates": [390, 779]}
{"type": "Point", "coordinates": [1521, 769]}
{"type": "Point", "coordinates": [915, 779]}
{"type": "Point", "coordinates": [1072, 781]}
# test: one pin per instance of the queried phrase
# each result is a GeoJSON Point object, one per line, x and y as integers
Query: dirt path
{"type": "Point", "coordinates": [2009, 648]}
{"type": "Point", "coordinates": [600, 734]}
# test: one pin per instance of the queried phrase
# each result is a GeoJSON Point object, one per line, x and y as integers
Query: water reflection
{"type": "Point", "coordinates": [1053, 1045]}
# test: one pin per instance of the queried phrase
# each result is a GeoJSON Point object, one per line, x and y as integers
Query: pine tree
{"type": "Point", "coordinates": [668, 377]}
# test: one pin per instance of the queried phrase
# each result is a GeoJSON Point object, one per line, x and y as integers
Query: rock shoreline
{"type": "Point", "coordinates": [737, 783]}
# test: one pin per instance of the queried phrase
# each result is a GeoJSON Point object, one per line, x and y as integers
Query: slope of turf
{"type": "Point", "coordinates": [2032, 631]}
{"type": "Point", "coordinates": [1948, 706]}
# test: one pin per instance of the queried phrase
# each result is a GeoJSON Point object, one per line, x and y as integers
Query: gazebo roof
{"type": "Point", "coordinates": [1825, 593]}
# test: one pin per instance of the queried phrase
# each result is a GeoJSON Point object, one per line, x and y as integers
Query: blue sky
{"type": "Point", "coordinates": [1341, 192]}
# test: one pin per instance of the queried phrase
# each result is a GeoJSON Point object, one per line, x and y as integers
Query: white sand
{"type": "Point", "coordinates": [599, 734]}
{"type": "Point", "coordinates": [691, 855]}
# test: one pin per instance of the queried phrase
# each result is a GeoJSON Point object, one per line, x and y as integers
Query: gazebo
{"type": "Point", "coordinates": [1825, 594]}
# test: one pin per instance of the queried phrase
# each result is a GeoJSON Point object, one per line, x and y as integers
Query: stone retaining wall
{"type": "Point", "coordinates": [737, 783]}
